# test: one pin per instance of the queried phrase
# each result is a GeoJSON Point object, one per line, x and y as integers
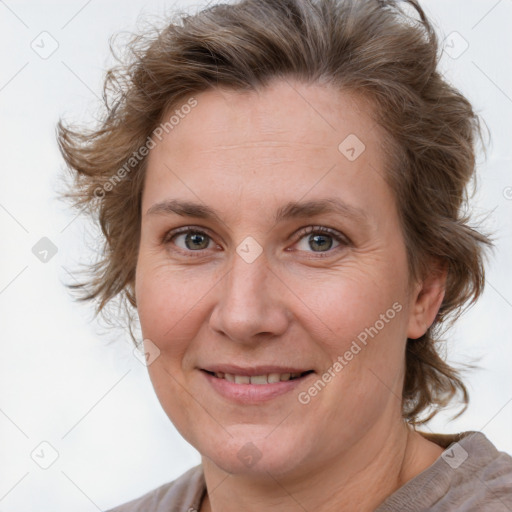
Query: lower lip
{"type": "Point", "coordinates": [252, 393]}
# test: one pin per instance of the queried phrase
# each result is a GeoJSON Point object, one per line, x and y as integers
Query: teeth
{"type": "Point", "coordinates": [257, 379]}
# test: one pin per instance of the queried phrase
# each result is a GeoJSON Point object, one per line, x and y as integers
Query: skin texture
{"type": "Point", "coordinates": [246, 155]}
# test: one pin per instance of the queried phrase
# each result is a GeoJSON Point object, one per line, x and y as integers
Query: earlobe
{"type": "Point", "coordinates": [427, 298]}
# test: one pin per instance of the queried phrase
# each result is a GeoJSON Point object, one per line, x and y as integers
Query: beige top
{"type": "Point", "coordinates": [470, 475]}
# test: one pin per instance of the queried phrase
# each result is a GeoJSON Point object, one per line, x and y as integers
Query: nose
{"type": "Point", "coordinates": [250, 303]}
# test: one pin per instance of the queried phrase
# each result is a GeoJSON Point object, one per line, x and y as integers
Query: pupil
{"type": "Point", "coordinates": [196, 239]}
{"type": "Point", "coordinates": [322, 241]}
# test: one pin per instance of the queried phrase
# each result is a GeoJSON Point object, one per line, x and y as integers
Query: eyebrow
{"type": "Point", "coordinates": [292, 210]}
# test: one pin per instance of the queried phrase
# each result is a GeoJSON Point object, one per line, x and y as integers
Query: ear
{"type": "Point", "coordinates": [426, 299]}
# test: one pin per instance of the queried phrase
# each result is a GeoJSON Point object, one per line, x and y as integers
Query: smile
{"type": "Point", "coordinates": [268, 378]}
{"type": "Point", "coordinates": [254, 389]}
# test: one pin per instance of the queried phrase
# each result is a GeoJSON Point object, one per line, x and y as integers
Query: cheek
{"type": "Point", "coordinates": [361, 330]}
{"type": "Point", "coordinates": [170, 305]}
{"type": "Point", "coordinates": [171, 313]}
{"type": "Point", "coordinates": [358, 319]}
{"type": "Point", "coordinates": [351, 304]}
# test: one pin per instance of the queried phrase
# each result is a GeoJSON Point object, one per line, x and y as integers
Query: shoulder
{"type": "Point", "coordinates": [470, 475]}
{"type": "Point", "coordinates": [181, 495]}
{"type": "Point", "coordinates": [482, 474]}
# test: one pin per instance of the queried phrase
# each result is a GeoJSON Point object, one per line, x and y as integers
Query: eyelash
{"type": "Point", "coordinates": [340, 238]}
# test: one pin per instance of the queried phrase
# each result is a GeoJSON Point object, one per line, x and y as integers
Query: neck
{"type": "Point", "coordinates": [359, 479]}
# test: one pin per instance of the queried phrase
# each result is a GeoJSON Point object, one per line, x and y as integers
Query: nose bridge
{"type": "Point", "coordinates": [246, 280]}
{"type": "Point", "coordinates": [247, 304]}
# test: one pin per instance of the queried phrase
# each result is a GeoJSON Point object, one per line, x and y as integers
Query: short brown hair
{"type": "Point", "coordinates": [371, 47]}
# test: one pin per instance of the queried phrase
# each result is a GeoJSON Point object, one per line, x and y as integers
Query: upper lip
{"type": "Point", "coordinates": [254, 370]}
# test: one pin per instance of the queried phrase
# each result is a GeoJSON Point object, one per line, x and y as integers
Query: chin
{"type": "Point", "coordinates": [257, 455]}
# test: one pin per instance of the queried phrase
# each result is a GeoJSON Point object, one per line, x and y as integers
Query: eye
{"type": "Point", "coordinates": [317, 239]}
{"type": "Point", "coordinates": [188, 239]}
{"type": "Point", "coordinates": [320, 239]}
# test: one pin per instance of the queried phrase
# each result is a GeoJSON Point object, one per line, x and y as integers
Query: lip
{"type": "Point", "coordinates": [246, 394]}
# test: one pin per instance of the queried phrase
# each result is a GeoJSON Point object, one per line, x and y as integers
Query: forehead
{"type": "Point", "coordinates": [283, 111]}
{"type": "Point", "coordinates": [287, 135]}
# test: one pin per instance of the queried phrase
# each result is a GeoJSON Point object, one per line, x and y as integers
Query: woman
{"type": "Point", "coordinates": [281, 185]}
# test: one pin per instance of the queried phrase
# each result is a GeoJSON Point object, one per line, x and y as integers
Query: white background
{"type": "Point", "coordinates": [68, 381]}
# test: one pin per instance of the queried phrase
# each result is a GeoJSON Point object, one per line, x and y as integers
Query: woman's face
{"type": "Point", "coordinates": [294, 262]}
